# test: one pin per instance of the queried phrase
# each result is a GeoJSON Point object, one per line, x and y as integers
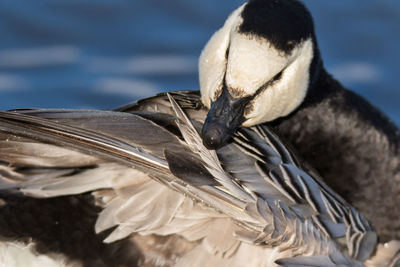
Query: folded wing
{"type": "Point", "coordinates": [249, 202]}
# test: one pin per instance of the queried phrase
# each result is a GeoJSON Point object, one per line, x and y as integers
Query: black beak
{"type": "Point", "coordinates": [224, 117]}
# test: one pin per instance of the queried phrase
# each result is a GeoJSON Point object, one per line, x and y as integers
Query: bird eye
{"type": "Point", "coordinates": [227, 53]}
{"type": "Point", "coordinates": [274, 79]}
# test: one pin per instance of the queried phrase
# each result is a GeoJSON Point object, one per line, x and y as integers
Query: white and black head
{"type": "Point", "coordinates": [257, 67]}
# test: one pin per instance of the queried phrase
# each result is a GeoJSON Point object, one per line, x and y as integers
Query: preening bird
{"type": "Point", "coordinates": [249, 203]}
{"type": "Point", "coordinates": [264, 66]}
{"type": "Point", "coordinates": [165, 199]}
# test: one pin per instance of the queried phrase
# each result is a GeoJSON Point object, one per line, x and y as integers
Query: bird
{"type": "Point", "coordinates": [264, 66]}
{"type": "Point", "coordinates": [273, 209]}
{"type": "Point", "coordinates": [145, 170]}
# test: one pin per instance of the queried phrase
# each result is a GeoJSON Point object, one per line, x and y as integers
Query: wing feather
{"type": "Point", "coordinates": [255, 186]}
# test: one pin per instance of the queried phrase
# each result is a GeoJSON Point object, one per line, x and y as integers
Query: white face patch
{"type": "Point", "coordinates": [212, 63]}
{"type": "Point", "coordinates": [252, 62]}
{"type": "Point", "coordinates": [287, 93]}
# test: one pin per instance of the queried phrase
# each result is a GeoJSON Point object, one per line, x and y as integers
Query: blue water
{"type": "Point", "coordinates": [102, 53]}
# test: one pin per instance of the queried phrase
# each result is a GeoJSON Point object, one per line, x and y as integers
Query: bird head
{"type": "Point", "coordinates": [257, 67]}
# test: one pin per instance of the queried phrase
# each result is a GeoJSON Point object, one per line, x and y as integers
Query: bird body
{"type": "Point", "coordinates": [264, 66]}
{"type": "Point", "coordinates": [148, 171]}
{"type": "Point", "coordinates": [354, 146]}
{"type": "Point", "coordinates": [145, 180]}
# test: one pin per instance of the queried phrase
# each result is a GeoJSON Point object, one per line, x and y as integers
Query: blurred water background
{"type": "Point", "coordinates": [102, 54]}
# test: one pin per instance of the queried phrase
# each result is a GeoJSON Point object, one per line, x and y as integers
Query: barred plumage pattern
{"type": "Point", "coordinates": [250, 203]}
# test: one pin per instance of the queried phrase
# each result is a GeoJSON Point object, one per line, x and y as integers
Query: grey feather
{"type": "Point", "coordinates": [317, 261]}
{"type": "Point", "coordinates": [138, 161]}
